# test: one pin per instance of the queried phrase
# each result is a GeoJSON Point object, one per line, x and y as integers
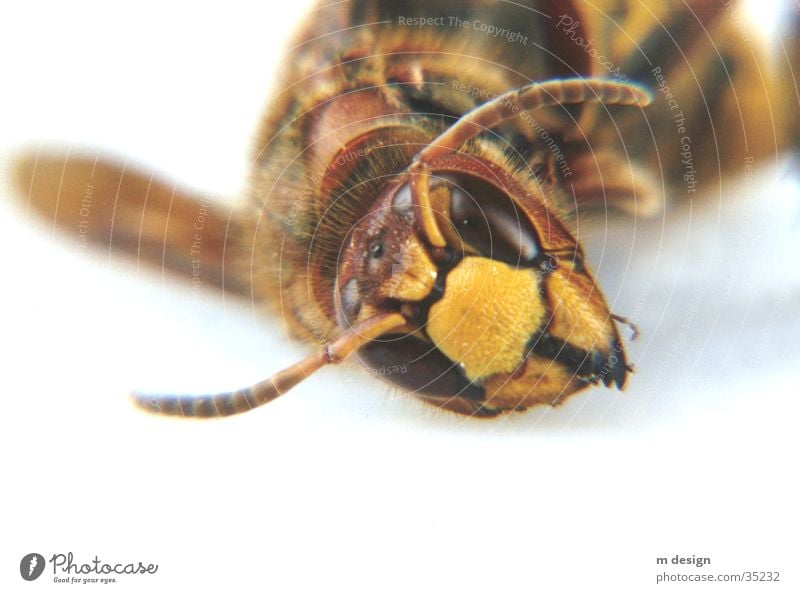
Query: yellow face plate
{"type": "Point", "coordinates": [487, 316]}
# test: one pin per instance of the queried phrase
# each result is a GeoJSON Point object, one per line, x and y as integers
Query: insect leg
{"type": "Point", "coordinates": [248, 398]}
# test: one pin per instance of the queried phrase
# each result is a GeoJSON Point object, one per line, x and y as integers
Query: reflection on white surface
{"type": "Point", "coordinates": [344, 482]}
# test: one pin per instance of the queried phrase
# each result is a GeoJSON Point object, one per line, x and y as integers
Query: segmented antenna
{"type": "Point", "coordinates": [502, 108]}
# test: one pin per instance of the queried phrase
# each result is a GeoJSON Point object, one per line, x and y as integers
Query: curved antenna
{"type": "Point", "coordinates": [502, 108]}
{"type": "Point", "coordinates": [248, 398]}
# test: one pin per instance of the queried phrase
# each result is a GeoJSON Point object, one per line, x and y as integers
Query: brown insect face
{"type": "Point", "coordinates": [504, 316]}
{"type": "Point", "coordinates": [385, 263]}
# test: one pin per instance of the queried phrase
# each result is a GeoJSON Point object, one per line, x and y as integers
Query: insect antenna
{"type": "Point", "coordinates": [504, 107]}
{"type": "Point", "coordinates": [248, 398]}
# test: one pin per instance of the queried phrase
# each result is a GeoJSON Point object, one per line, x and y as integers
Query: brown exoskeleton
{"type": "Point", "coordinates": [411, 199]}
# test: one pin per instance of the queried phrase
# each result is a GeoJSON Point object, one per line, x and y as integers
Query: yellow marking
{"type": "Point", "coordinates": [543, 381]}
{"type": "Point", "coordinates": [580, 317]}
{"type": "Point", "coordinates": [487, 315]}
{"type": "Point", "coordinates": [413, 274]}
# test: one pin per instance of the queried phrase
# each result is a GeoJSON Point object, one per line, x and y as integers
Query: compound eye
{"type": "Point", "coordinates": [488, 221]}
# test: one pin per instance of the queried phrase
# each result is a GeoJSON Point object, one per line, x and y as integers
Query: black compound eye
{"type": "Point", "coordinates": [471, 223]}
{"type": "Point", "coordinates": [488, 221]}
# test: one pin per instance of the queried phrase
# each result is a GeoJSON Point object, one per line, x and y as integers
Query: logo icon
{"type": "Point", "coordinates": [31, 566]}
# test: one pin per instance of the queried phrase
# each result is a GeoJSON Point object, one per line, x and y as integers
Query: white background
{"type": "Point", "coordinates": [345, 484]}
